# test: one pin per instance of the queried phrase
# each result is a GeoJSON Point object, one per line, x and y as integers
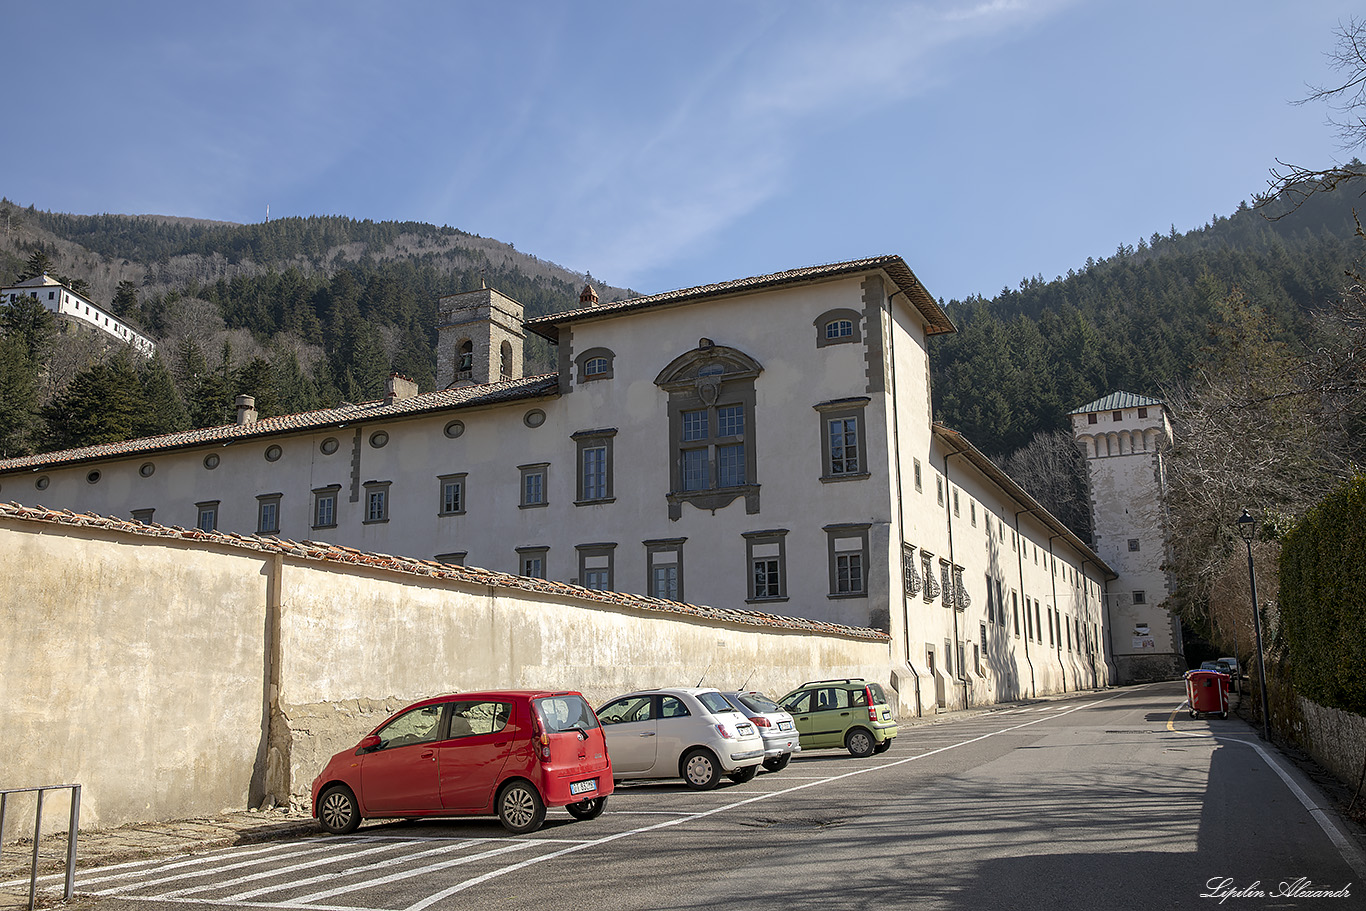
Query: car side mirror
{"type": "Point", "coordinates": [369, 743]}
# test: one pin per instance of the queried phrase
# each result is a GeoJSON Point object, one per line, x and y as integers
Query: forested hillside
{"type": "Point", "coordinates": [308, 312]}
{"type": "Point", "coordinates": [1137, 320]}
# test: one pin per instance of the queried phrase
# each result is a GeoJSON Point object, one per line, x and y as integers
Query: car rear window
{"type": "Point", "coordinates": [715, 702]}
{"type": "Point", "coordinates": [565, 713]}
{"type": "Point", "coordinates": [879, 697]}
{"type": "Point", "coordinates": [758, 702]}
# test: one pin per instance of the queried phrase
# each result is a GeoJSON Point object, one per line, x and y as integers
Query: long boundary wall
{"type": "Point", "coordinates": [174, 672]}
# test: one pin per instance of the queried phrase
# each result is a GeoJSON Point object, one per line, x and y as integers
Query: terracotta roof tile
{"type": "Point", "coordinates": [442, 400]}
{"type": "Point", "coordinates": [937, 320]}
{"type": "Point", "coordinates": [335, 553]}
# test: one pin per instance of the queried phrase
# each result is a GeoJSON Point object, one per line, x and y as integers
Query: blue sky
{"type": "Point", "coordinates": [663, 145]}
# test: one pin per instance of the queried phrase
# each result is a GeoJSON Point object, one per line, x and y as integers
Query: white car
{"type": "Point", "coordinates": [684, 732]}
{"type": "Point", "coordinates": [775, 726]}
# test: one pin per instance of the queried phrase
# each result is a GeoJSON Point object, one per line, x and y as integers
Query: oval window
{"type": "Point", "coordinates": [93, 477]}
{"type": "Point", "coordinates": [42, 482]}
{"type": "Point", "coordinates": [273, 453]}
{"type": "Point", "coordinates": [329, 446]}
{"type": "Point", "coordinates": [379, 439]}
{"type": "Point", "coordinates": [147, 469]}
{"type": "Point", "coordinates": [534, 418]}
{"type": "Point", "coordinates": [211, 461]}
{"type": "Point", "coordinates": [454, 429]}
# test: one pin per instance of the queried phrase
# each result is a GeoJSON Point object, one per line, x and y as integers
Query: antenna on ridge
{"type": "Point", "coordinates": [267, 211]}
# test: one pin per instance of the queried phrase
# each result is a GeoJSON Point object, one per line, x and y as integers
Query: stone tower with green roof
{"type": "Point", "coordinates": [1126, 438]}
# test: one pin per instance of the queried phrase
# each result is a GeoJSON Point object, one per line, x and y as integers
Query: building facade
{"type": "Point", "coordinates": [765, 443]}
{"type": "Point", "coordinates": [76, 308]}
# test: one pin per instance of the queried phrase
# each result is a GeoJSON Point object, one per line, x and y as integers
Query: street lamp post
{"type": "Point", "coordinates": [1247, 528]}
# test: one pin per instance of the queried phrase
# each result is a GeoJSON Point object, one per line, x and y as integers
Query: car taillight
{"type": "Point", "coordinates": [539, 737]}
{"type": "Point", "coordinates": [724, 732]}
{"type": "Point", "coordinates": [872, 708]}
{"type": "Point", "coordinates": [761, 721]}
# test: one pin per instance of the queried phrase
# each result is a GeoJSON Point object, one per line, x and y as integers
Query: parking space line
{"type": "Point", "coordinates": [330, 875]}
{"type": "Point", "coordinates": [408, 874]}
{"type": "Point", "coordinates": [190, 873]}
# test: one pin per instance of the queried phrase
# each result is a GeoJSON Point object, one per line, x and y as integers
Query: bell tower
{"type": "Point", "coordinates": [479, 339]}
{"type": "Point", "coordinates": [1125, 438]}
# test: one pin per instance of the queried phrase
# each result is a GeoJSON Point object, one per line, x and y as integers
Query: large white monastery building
{"type": "Point", "coordinates": [763, 444]}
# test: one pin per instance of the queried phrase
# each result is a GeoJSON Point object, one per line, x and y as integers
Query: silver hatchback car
{"type": "Point", "coordinates": [774, 723]}
{"type": "Point", "coordinates": [686, 732]}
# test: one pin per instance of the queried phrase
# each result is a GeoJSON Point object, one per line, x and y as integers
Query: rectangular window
{"type": "Point", "coordinates": [1133, 545]}
{"type": "Point", "coordinates": [143, 516]}
{"type": "Point", "coordinates": [268, 514]}
{"type": "Point", "coordinates": [984, 642]}
{"type": "Point", "coordinates": [595, 566]}
{"type": "Point", "coordinates": [1091, 419]}
{"type": "Point", "coordinates": [1050, 626]}
{"type": "Point", "coordinates": [918, 485]}
{"type": "Point", "coordinates": [325, 506]}
{"type": "Point", "coordinates": [694, 469]}
{"type": "Point", "coordinates": [730, 421]}
{"type": "Point", "coordinates": [1119, 415]}
{"type": "Point", "coordinates": [1143, 412]}
{"type": "Point", "coordinates": [972, 508]}
{"type": "Point", "coordinates": [766, 558]}
{"type": "Point", "coordinates": [955, 501]}
{"type": "Point", "coordinates": [695, 425]}
{"type": "Point", "coordinates": [730, 465]}
{"type": "Point", "coordinates": [848, 556]}
{"type": "Point", "coordinates": [991, 600]}
{"type": "Point", "coordinates": [531, 561]}
{"type": "Point", "coordinates": [1038, 621]}
{"type": "Point", "coordinates": [452, 559]}
{"type": "Point", "coordinates": [1140, 597]}
{"type": "Point", "coordinates": [534, 484]}
{"type": "Point", "coordinates": [939, 489]}
{"type": "Point", "coordinates": [843, 439]}
{"type": "Point", "coordinates": [844, 454]}
{"type": "Point", "coordinates": [452, 494]}
{"type": "Point", "coordinates": [376, 501]}
{"type": "Point", "coordinates": [595, 466]}
{"type": "Point", "coordinates": [1015, 610]}
{"type": "Point", "coordinates": [664, 566]}
{"type": "Point", "coordinates": [910, 579]}
{"type": "Point", "coordinates": [208, 515]}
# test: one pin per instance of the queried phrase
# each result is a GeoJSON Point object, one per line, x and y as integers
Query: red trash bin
{"type": "Point", "coordinates": [1207, 693]}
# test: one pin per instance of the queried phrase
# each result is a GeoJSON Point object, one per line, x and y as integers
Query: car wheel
{"type": "Point", "coordinates": [700, 770]}
{"type": "Point", "coordinates": [520, 808]}
{"type": "Point", "coordinates": [859, 743]}
{"type": "Point", "coordinates": [740, 776]}
{"type": "Point", "coordinates": [588, 809]}
{"type": "Point", "coordinates": [883, 747]}
{"type": "Point", "coordinates": [338, 811]}
{"type": "Point", "coordinates": [778, 763]}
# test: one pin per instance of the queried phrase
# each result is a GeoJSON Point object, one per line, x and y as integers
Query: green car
{"type": "Point", "coordinates": [850, 713]}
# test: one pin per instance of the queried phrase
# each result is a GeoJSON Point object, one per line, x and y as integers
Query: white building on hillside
{"type": "Point", "coordinates": [764, 443]}
{"type": "Point", "coordinates": [73, 307]}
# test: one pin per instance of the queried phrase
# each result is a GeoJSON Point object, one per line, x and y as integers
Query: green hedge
{"type": "Point", "coordinates": [1323, 600]}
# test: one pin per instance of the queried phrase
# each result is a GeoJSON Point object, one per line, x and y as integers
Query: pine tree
{"type": "Point", "coordinates": [166, 411]}
{"type": "Point", "coordinates": [31, 324]}
{"type": "Point", "coordinates": [18, 399]}
{"type": "Point", "coordinates": [104, 404]}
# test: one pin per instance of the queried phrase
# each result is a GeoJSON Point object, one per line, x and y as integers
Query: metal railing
{"type": "Point", "coordinates": [71, 829]}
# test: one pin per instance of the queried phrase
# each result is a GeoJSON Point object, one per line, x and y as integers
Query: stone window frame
{"type": "Point", "coordinates": [939, 489]}
{"type": "Point", "coordinates": [143, 516]}
{"type": "Point", "coordinates": [207, 508]}
{"type": "Point", "coordinates": [854, 408]}
{"type": "Point", "coordinates": [464, 358]}
{"type": "Point", "coordinates": [919, 483]}
{"type": "Point", "coordinates": [769, 544]}
{"type": "Point", "coordinates": [505, 361]}
{"type": "Point", "coordinates": [823, 322]}
{"type": "Point", "coordinates": [533, 552]}
{"type": "Point", "coordinates": [585, 441]}
{"type": "Point", "coordinates": [1134, 545]}
{"type": "Point", "coordinates": [454, 558]}
{"type": "Point", "coordinates": [268, 507]}
{"type": "Point", "coordinates": [837, 537]}
{"type": "Point", "coordinates": [376, 502]}
{"type": "Point", "coordinates": [1015, 609]}
{"type": "Point", "coordinates": [458, 480]}
{"type": "Point", "coordinates": [972, 509]}
{"type": "Point", "coordinates": [595, 552]}
{"type": "Point", "coordinates": [1140, 596]}
{"type": "Point", "coordinates": [582, 360]}
{"type": "Point", "coordinates": [320, 495]}
{"type": "Point", "coordinates": [535, 469]}
{"type": "Point", "coordinates": [711, 377]}
{"type": "Point", "coordinates": [664, 546]}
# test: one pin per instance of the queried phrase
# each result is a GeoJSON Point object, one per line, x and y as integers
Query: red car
{"type": "Point", "coordinates": [504, 753]}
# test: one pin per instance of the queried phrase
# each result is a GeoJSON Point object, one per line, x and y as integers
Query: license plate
{"type": "Point", "coordinates": [583, 787]}
{"type": "Point", "coordinates": [784, 725]}
{"type": "Point", "coordinates": [886, 713]}
{"type": "Point", "coordinates": [745, 729]}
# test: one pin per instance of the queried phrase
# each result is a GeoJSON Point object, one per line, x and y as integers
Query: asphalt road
{"type": "Point", "coordinates": [1111, 800]}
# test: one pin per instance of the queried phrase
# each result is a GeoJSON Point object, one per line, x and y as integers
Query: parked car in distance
{"type": "Point", "coordinates": [1211, 666]}
{"type": "Point", "coordinates": [507, 753]}
{"type": "Point", "coordinates": [686, 732]}
{"type": "Point", "coordinates": [1228, 666]}
{"type": "Point", "coordinates": [850, 713]}
{"type": "Point", "coordinates": [775, 726]}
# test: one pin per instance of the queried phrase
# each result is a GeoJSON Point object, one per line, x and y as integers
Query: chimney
{"type": "Point", "coordinates": [588, 297]}
{"type": "Point", "coordinates": [246, 409]}
{"type": "Point", "coordinates": [398, 388]}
